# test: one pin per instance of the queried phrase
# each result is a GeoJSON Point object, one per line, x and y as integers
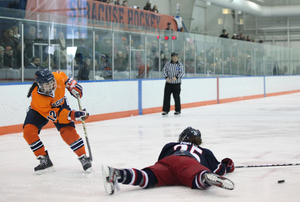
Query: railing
{"type": "Point", "coordinates": [113, 53]}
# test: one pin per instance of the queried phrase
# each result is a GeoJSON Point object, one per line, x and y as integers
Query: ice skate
{"type": "Point", "coordinates": [110, 179]}
{"type": "Point", "coordinates": [177, 114]}
{"type": "Point", "coordinates": [216, 180]}
{"type": "Point", "coordinates": [165, 114]}
{"type": "Point", "coordinates": [45, 165]}
{"type": "Point", "coordinates": [86, 163]}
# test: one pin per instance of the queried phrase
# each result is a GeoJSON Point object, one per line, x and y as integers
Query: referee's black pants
{"type": "Point", "coordinates": [169, 89]}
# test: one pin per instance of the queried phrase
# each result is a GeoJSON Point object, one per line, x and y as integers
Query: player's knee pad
{"type": "Point", "coordinates": [69, 134]}
{"type": "Point", "coordinates": [30, 133]}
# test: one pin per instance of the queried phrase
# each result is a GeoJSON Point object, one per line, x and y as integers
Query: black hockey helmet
{"type": "Point", "coordinates": [187, 134]}
{"type": "Point", "coordinates": [46, 82]}
{"type": "Point", "coordinates": [43, 76]}
{"type": "Point", "coordinates": [174, 54]}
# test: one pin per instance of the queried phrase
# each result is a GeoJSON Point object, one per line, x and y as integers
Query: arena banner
{"type": "Point", "coordinates": [98, 14]}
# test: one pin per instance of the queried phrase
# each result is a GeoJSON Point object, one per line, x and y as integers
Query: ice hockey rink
{"type": "Point", "coordinates": [251, 132]}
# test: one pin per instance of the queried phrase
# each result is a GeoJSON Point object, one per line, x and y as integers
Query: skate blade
{"type": "Point", "coordinates": [89, 170]}
{"type": "Point", "coordinates": [219, 181]}
{"type": "Point", "coordinates": [109, 188]}
{"type": "Point", "coordinates": [164, 116]}
{"type": "Point", "coordinates": [47, 170]}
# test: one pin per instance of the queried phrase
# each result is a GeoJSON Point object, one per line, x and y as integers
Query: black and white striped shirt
{"type": "Point", "coordinates": [171, 70]}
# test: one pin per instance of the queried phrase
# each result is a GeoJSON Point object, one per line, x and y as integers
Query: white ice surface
{"type": "Point", "coordinates": [260, 131]}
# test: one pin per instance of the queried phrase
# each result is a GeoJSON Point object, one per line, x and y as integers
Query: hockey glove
{"type": "Point", "coordinates": [228, 164]}
{"type": "Point", "coordinates": [78, 115]}
{"type": "Point", "coordinates": [74, 88]}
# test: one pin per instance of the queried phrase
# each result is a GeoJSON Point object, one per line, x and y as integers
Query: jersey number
{"type": "Point", "coordinates": [52, 116]}
{"type": "Point", "coordinates": [195, 151]}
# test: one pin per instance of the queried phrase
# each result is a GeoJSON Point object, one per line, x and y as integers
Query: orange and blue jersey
{"type": "Point", "coordinates": [52, 107]}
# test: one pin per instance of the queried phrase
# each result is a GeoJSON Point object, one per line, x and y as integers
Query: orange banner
{"type": "Point", "coordinates": [94, 13]}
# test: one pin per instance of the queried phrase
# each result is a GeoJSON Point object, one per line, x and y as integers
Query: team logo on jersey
{"type": "Point", "coordinates": [58, 102]}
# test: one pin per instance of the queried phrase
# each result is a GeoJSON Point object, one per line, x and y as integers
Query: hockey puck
{"type": "Point", "coordinates": [281, 181]}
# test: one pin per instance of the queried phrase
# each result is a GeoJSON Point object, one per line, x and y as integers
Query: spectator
{"type": "Point", "coordinates": [82, 48]}
{"type": "Point", "coordinates": [153, 49]}
{"type": "Point", "coordinates": [138, 58]}
{"type": "Point", "coordinates": [8, 57]}
{"type": "Point", "coordinates": [248, 38]}
{"type": "Point", "coordinates": [234, 36]}
{"type": "Point", "coordinates": [83, 69]}
{"type": "Point", "coordinates": [9, 39]}
{"type": "Point", "coordinates": [117, 2]}
{"type": "Point", "coordinates": [168, 32]}
{"type": "Point", "coordinates": [88, 63]}
{"type": "Point", "coordinates": [154, 9]}
{"type": "Point", "coordinates": [223, 35]}
{"type": "Point", "coordinates": [242, 37]}
{"type": "Point", "coordinates": [148, 6]}
{"type": "Point", "coordinates": [61, 40]}
{"type": "Point", "coordinates": [125, 3]}
{"type": "Point", "coordinates": [107, 48]}
{"type": "Point", "coordinates": [119, 62]}
{"type": "Point", "coordinates": [45, 64]}
{"type": "Point", "coordinates": [169, 26]}
{"type": "Point", "coordinates": [18, 55]}
{"type": "Point", "coordinates": [125, 60]}
{"type": "Point", "coordinates": [17, 36]}
{"type": "Point", "coordinates": [142, 70]}
{"type": "Point", "coordinates": [35, 63]}
{"type": "Point", "coordinates": [39, 38]}
{"type": "Point", "coordinates": [123, 46]}
{"type": "Point", "coordinates": [16, 32]}
{"type": "Point", "coordinates": [105, 66]}
{"type": "Point", "coordinates": [63, 59]}
{"type": "Point", "coordinates": [29, 40]}
{"type": "Point", "coordinates": [1, 56]}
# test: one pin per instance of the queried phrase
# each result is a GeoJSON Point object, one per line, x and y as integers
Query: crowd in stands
{"type": "Point", "coordinates": [116, 56]}
{"type": "Point", "coordinates": [237, 37]}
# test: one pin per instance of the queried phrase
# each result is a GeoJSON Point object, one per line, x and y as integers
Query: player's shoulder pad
{"type": "Point", "coordinates": [207, 151]}
{"type": "Point", "coordinates": [171, 144]}
{"type": "Point", "coordinates": [60, 74]}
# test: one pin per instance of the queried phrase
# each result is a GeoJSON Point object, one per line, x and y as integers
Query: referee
{"type": "Point", "coordinates": [172, 71]}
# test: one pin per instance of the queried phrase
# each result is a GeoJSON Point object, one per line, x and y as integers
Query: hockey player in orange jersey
{"type": "Point", "coordinates": [49, 103]}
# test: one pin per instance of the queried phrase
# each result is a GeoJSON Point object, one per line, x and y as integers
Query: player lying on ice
{"type": "Point", "coordinates": [179, 163]}
{"type": "Point", "coordinates": [49, 103]}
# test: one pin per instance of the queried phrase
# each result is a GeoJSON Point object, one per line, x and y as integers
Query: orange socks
{"type": "Point", "coordinates": [70, 136]}
{"type": "Point", "coordinates": [31, 135]}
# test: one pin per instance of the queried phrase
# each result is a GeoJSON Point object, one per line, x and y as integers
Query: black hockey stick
{"type": "Point", "coordinates": [268, 165]}
{"type": "Point", "coordinates": [84, 129]}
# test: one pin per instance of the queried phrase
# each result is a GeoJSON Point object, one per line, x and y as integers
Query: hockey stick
{"type": "Point", "coordinates": [268, 165]}
{"type": "Point", "coordinates": [84, 129]}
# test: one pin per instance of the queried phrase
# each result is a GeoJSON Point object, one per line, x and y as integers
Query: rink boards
{"type": "Point", "coordinates": [110, 99]}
